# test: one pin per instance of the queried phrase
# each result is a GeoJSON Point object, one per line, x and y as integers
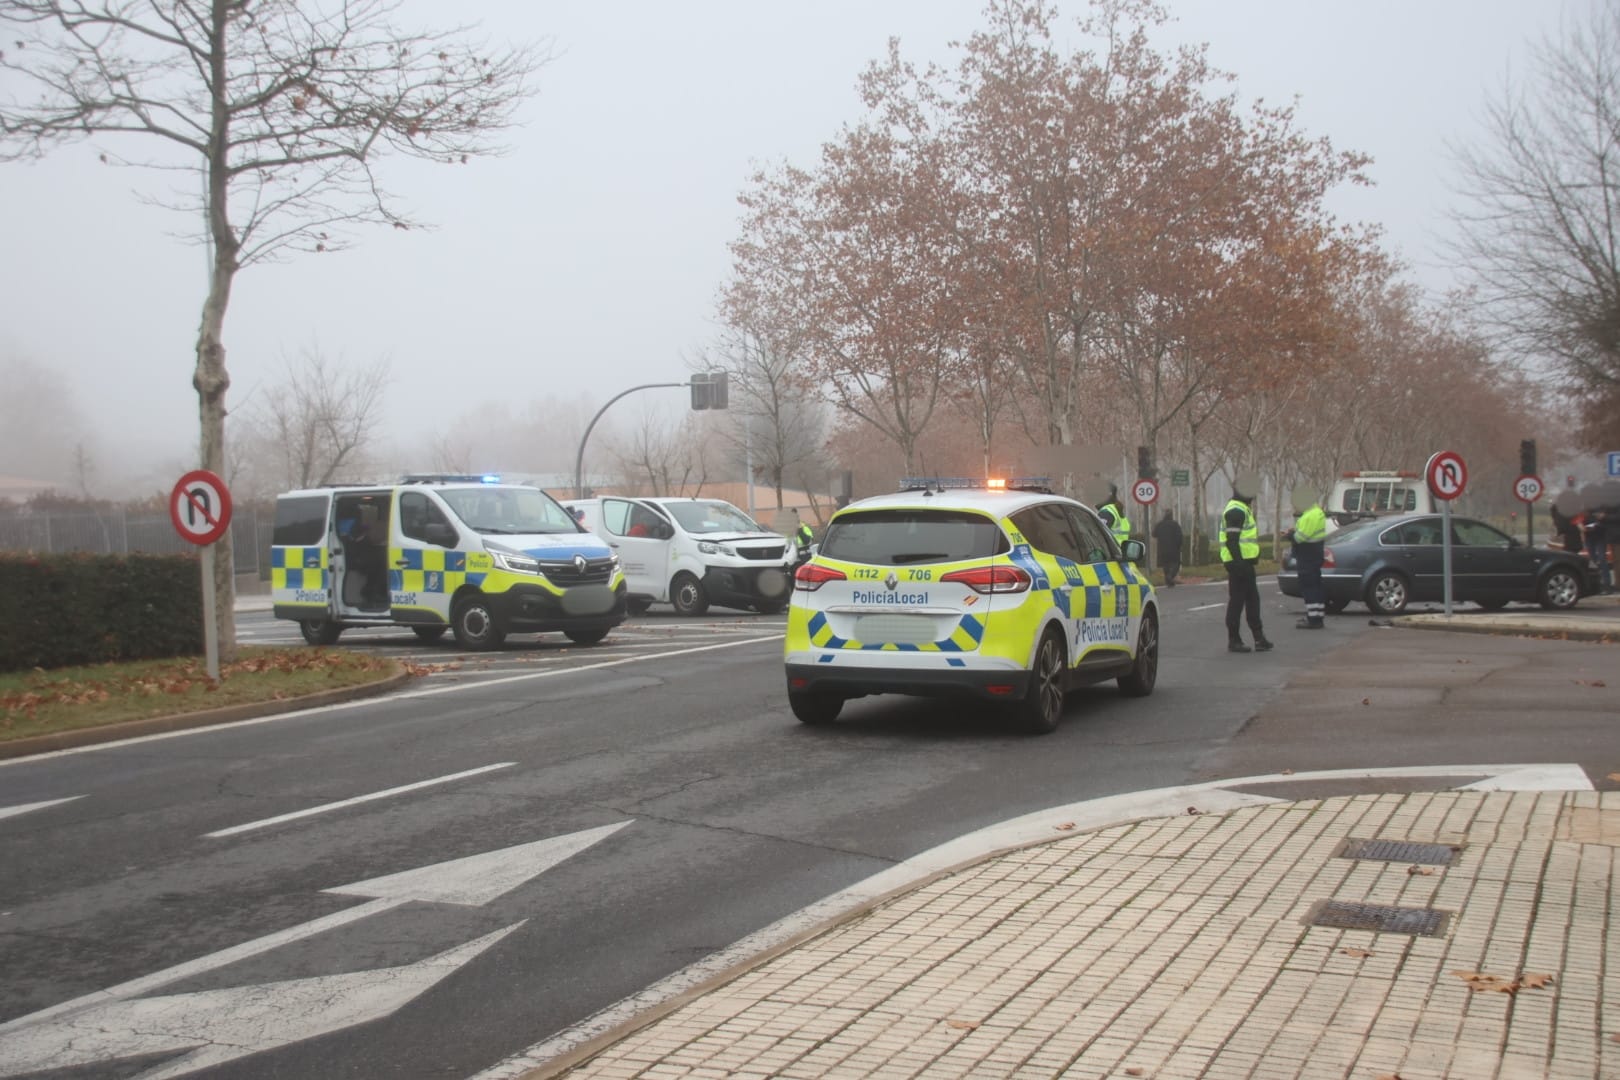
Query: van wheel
{"type": "Point", "coordinates": [815, 709]}
{"type": "Point", "coordinates": [1145, 672]}
{"type": "Point", "coordinates": [429, 633]}
{"type": "Point", "coordinates": [475, 625]}
{"type": "Point", "coordinates": [686, 593]}
{"type": "Point", "coordinates": [320, 631]}
{"type": "Point", "coordinates": [585, 637]}
{"type": "Point", "coordinates": [1042, 707]}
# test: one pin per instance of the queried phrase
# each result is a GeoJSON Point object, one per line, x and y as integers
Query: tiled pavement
{"type": "Point", "coordinates": [1178, 947]}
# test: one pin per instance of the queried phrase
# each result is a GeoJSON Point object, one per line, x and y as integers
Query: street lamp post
{"type": "Point", "coordinates": [579, 461]}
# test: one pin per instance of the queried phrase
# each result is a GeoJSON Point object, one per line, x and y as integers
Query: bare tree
{"type": "Point", "coordinates": [1540, 228]}
{"type": "Point", "coordinates": [284, 106]}
{"type": "Point", "coordinates": [660, 456]}
{"type": "Point", "coordinates": [317, 424]}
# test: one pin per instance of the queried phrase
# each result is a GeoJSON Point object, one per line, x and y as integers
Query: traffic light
{"type": "Point", "coordinates": [710, 390]}
{"type": "Point", "coordinates": [1527, 457]}
{"type": "Point", "coordinates": [1144, 464]}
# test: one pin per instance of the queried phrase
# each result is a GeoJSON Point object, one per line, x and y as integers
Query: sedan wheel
{"type": "Point", "coordinates": [1560, 589]}
{"type": "Point", "coordinates": [1145, 672]}
{"type": "Point", "coordinates": [1387, 594]}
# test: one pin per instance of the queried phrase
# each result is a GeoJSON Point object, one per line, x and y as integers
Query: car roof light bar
{"type": "Point", "coordinates": [970, 483]}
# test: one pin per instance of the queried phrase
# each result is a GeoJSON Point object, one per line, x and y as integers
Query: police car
{"type": "Point", "coordinates": [1000, 591]}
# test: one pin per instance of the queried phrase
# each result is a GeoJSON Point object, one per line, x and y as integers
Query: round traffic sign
{"type": "Point", "coordinates": [200, 507]}
{"type": "Point", "coordinates": [1146, 491]}
{"type": "Point", "coordinates": [1447, 474]}
{"type": "Point", "coordinates": [1528, 488]}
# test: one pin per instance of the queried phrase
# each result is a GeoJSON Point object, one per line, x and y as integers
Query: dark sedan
{"type": "Point", "coordinates": [1389, 563]}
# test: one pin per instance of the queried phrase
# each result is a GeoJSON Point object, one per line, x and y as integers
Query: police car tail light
{"type": "Point", "coordinates": [991, 579]}
{"type": "Point", "coordinates": [812, 576]}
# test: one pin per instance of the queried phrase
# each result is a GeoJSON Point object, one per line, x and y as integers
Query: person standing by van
{"type": "Point", "coordinates": [1240, 552]}
{"type": "Point", "coordinates": [803, 538]}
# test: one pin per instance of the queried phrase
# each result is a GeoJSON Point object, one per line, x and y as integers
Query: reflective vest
{"type": "Point", "coordinates": [1248, 539]}
{"type": "Point", "coordinates": [805, 536]}
{"type": "Point", "coordinates": [1118, 524]}
{"type": "Point", "coordinates": [1311, 528]}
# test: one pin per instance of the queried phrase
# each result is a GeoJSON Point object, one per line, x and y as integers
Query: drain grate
{"type": "Point", "coordinates": [1398, 851]}
{"type": "Point", "coordinates": [1350, 915]}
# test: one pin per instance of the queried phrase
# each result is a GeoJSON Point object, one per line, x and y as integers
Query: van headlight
{"type": "Point", "coordinates": [709, 547]}
{"type": "Point", "coordinates": [517, 564]}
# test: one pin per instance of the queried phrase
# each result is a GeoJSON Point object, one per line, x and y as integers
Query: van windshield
{"type": "Point", "coordinates": [509, 510]}
{"type": "Point", "coordinates": [711, 517]}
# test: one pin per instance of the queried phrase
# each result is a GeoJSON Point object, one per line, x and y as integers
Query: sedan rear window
{"type": "Point", "coordinates": [904, 537]}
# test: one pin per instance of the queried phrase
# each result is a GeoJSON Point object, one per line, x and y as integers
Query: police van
{"type": "Point", "coordinates": [439, 552]}
{"type": "Point", "coordinates": [996, 590]}
{"type": "Point", "coordinates": [692, 552]}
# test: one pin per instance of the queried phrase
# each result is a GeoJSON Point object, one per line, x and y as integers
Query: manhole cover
{"type": "Point", "coordinates": [1350, 915]}
{"type": "Point", "coordinates": [1398, 851]}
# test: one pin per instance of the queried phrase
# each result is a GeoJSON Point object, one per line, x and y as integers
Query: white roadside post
{"type": "Point", "coordinates": [200, 508]}
{"type": "Point", "coordinates": [1447, 476]}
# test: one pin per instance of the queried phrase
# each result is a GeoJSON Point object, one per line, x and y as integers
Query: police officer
{"type": "Point", "coordinates": [1308, 537]}
{"type": "Point", "coordinates": [1240, 551]}
{"type": "Point", "coordinates": [803, 537]}
{"type": "Point", "coordinates": [1113, 516]}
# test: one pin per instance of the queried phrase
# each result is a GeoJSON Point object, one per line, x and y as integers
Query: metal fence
{"type": "Point", "coordinates": [118, 533]}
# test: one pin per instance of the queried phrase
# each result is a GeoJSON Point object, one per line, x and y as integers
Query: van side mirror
{"type": "Point", "coordinates": [663, 530]}
{"type": "Point", "coordinates": [1135, 550]}
{"type": "Point", "coordinates": [437, 532]}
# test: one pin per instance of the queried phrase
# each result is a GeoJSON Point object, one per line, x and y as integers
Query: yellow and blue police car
{"type": "Point", "coordinates": [997, 590]}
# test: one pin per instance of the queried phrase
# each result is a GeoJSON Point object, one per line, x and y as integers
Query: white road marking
{"type": "Point", "coordinates": [364, 702]}
{"type": "Point", "coordinates": [325, 808]}
{"type": "Point", "coordinates": [1205, 607]}
{"type": "Point", "coordinates": [1209, 797]}
{"type": "Point", "coordinates": [13, 811]}
{"type": "Point", "coordinates": [474, 880]}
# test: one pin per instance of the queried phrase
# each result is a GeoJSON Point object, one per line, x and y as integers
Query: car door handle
{"type": "Point", "coordinates": [401, 563]}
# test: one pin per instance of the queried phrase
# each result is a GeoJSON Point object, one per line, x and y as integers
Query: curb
{"type": "Point", "coordinates": [155, 725]}
{"type": "Point", "coordinates": [1561, 633]}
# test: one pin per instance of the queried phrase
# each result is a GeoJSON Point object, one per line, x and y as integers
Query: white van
{"type": "Point", "coordinates": [437, 553]}
{"type": "Point", "coordinates": [1371, 493]}
{"type": "Point", "coordinates": [692, 553]}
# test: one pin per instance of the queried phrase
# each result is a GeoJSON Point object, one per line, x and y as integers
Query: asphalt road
{"type": "Point", "coordinates": [649, 801]}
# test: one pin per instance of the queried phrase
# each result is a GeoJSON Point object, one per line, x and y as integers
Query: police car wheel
{"type": "Point", "coordinates": [319, 631]}
{"type": "Point", "coordinates": [585, 637]}
{"type": "Point", "coordinates": [475, 625]}
{"type": "Point", "coordinates": [1387, 593]}
{"type": "Point", "coordinates": [686, 593]}
{"type": "Point", "coordinates": [429, 633]}
{"type": "Point", "coordinates": [1042, 706]}
{"type": "Point", "coordinates": [638, 607]}
{"type": "Point", "coordinates": [815, 708]}
{"type": "Point", "coordinates": [1145, 671]}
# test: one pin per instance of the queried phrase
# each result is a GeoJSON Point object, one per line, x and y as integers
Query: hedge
{"type": "Point", "coordinates": [64, 610]}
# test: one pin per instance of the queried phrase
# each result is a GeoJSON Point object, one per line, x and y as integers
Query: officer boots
{"type": "Point", "coordinates": [1309, 623]}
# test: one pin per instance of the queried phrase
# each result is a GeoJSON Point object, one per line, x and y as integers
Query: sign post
{"type": "Point", "coordinates": [1447, 476]}
{"type": "Point", "coordinates": [200, 508]}
{"type": "Point", "coordinates": [1528, 488]}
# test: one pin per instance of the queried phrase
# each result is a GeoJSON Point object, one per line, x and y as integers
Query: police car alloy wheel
{"type": "Point", "coordinates": [815, 708]}
{"type": "Point", "coordinates": [1145, 672]}
{"type": "Point", "coordinates": [1042, 706]}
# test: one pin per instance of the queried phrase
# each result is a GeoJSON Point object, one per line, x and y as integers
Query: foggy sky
{"type": "Point", "coordinates": [588, 259]}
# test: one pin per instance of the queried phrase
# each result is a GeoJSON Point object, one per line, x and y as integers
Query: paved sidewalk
{"type": "Point", "coordinates": [1179, 947]}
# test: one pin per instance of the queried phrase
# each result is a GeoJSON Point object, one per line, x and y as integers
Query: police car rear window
{"type": "Point", "coordinates": [300, 522]}
{"type": "Point", "coordinates": [905, 537]}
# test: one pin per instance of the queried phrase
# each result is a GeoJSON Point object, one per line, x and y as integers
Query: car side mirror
{"type": "Point", "coordinates": [1135, 550]}
{"type": "Point", "coordinates": [439, 533]}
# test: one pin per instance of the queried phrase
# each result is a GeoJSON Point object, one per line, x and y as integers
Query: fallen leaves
{"type": "Point", "coordinates": [1133, 1071]}
{"type": "Point", "coordinates": [1496, 984]}
{"type": "Point", "coordinates": [1366, 701]}
{"type": "Point", "coordinates": [1463, 660]}
{"type": "Point", "coordinates": [1420, 871]}
{"type": "Point", "coordinates": [1065, 827]}
{"type": "Point", "coordinates": [1388, 1076]}
{"type": "Point", "coordinates": [1194, 811]}
{"type": "Point", "coordinates": [1615, 776]}
{"type": "Point", "coordinates": [962, 1025]}
{"type": "Point", "coordinates": [1590, 682]}
{"type": "Point", "coordinates": [1356, 954]}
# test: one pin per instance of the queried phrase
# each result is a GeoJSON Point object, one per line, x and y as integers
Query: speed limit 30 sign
{"type": "Point", "coordinates": [1528, 488]}
{"type": "Point", "coordinates": [1146, 491]}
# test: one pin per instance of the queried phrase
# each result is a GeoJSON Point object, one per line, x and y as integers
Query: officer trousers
{"type": "Point", "coordinates": [1242, 600]}
{"type": "Point", "coordinates": [1312, 592]}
